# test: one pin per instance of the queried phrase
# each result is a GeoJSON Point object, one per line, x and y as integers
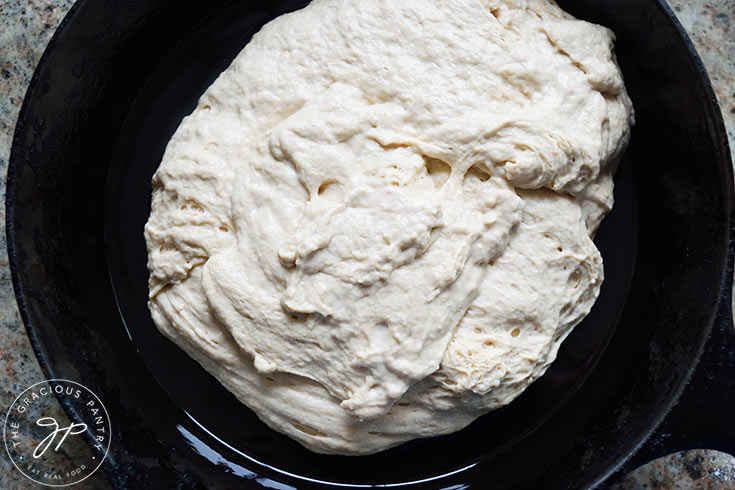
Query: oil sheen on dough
{"type": "Point", "coordinates": [375, 226]}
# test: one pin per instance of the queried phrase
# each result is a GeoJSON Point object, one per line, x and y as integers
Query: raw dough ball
{"type": "Point", "coordinates": [376, 224]}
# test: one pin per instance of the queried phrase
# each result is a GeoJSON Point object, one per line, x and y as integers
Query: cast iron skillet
{"type": "Point", "coordinates": [112, 87]}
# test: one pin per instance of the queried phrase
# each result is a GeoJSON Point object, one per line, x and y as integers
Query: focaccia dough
{"type": "Point", "coordinates": [375, 226]}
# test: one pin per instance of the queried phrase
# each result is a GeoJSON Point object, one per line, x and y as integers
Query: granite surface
{"type": "Point", "coordinates": [26, 27]}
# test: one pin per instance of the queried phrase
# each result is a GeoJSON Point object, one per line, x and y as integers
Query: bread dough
{"type": "Point", "coordinates": [375, 226]}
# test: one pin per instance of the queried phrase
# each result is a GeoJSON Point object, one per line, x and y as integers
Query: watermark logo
{"type": "Point", "coordinates": [47, 450]}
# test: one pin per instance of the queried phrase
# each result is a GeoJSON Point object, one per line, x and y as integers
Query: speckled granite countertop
{"type": "Point", "coordinates": [25, 28]}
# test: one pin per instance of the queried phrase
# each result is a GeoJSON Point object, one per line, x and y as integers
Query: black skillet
{"type": "Point", "coordinates": [111, 88]}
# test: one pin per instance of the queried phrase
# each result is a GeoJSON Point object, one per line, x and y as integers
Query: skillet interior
{"type": "Point", "coordinates": [105, 112]}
